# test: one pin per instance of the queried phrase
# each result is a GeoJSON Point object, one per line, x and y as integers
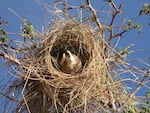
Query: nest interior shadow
{"type": "Point", "coordinates": [73, 42]}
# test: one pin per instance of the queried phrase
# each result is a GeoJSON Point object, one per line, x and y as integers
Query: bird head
{"type": "Point", "coordinates": [69, 62]}
{"type": "Point", "coordinates": [66, 58]}
{"type": "Point", "coordinates": [72, 57]}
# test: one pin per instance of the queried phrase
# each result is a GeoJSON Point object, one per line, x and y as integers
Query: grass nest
{"type": "Point", "coordinates": [47, 89]}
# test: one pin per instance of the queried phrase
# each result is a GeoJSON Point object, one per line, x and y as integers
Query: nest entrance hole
{"type": "Point", "coordinates": [74, 46]}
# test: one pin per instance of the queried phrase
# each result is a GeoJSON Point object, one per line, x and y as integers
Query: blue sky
{"type": "Point", "coordinates": [35, 13]}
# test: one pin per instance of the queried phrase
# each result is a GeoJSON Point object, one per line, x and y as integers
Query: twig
{"type": "Point", "coordinates": [10, 58]}
{"type": "Point", "coordinates": [112, 22]}
{"type": "Point", "coordinates": [119, 34]}
{"type": "Point", "coordinates": [65, 7]}
{"type": "Point", "coordinates": [113, 101]}
{"type": "Point", "coordinates": [10, 98]}
{"type": "Point", "coordinates": [3, 45]}
{"type": "Point", "coordinates": [114, 6]}
{"type": "Point", "coordinates": [16, 14]}
{"type": "Point", "coordinates": [23, 96]}
{"type": "Point", "coordinates": [95, 17]}
{"type": "Point", "coordinates": [75, 7]}
{"type": "Point", "coordinates": [138, 87]}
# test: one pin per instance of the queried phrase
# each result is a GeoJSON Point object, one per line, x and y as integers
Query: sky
{"type": "Point", "coordinates": [34, 12]}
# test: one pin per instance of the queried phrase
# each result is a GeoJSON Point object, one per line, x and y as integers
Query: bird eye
{"type": "Point", "coordinates": [66, 54]}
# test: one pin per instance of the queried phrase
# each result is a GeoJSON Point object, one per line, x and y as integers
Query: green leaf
{"type": "Point", "coordinates": [3, 22]}
{"type": "Point", "coordinates": [139, 27]}
{"type": "Point", "coordinates": [106, 27]}
{"type": "Point", "coordinates": [3, 35]}
{"type": "Point", "coordinates": [145, 9]}
{"type": "Point", "coordinates": [28, 29]}
{"type": "Point", "coordinates": [148, 95]}
{"type": "Point", "coordinates": [131, 25]}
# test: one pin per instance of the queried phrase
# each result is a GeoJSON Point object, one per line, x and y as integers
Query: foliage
{"type": "Point", "coordinates": [145, 10]}
{"type": "Point", "coordinates": [132, 25]}
{"type": "Point", "coordinates": [28, 29]}
{"type": "Point", "coordinates": [3, 33]}
{"type": "Point", "coordinates": [146, 107]}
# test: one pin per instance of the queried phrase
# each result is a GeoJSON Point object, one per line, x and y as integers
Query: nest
{"type": "Point", "coordinates": [47, 89]}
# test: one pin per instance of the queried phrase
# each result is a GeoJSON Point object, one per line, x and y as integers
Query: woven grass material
{"type": "Point", "coordinates": [49, 90]}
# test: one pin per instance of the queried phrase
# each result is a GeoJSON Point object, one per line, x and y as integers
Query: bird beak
{"type": "Point", "coordinates": [63, 57]}
{"type": "Point", "coordinates": [72, 57]}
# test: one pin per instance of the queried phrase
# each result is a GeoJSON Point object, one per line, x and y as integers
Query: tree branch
{"type": "Point", "coordinates": [10, 98]}
{"type": "Point", "coordinates": [95, 17]}
{"type": "Point", "coordinates": [112, 22]}
{"type": "Point", "coordinates": [10, 58]}
{"type": "Point", "coordinates": [114, 6]}
{"type": "Point", "coordinates": [138, 87]}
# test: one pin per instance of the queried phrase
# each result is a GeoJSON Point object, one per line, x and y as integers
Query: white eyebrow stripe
{"type": "Point", "coordinates": [72, 57]}
{"type": "Point", "coordinates": [64, 56]}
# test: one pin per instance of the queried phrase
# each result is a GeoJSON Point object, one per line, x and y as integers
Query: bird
{"type": "Point", "coordinates": [70, 63]}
